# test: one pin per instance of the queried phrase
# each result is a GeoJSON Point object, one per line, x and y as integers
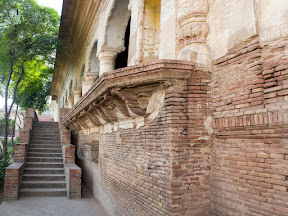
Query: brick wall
{"type": "Point", "coordinates": [25, 135]}
{"type": "Point", "coordinates": [249, 155]}
{"type": "Point", "coordinates": [12, 181]}
{"type": "Point", "coordinates": [20, 152]}
{"type": "Point", "coordinates": [65, 134]}
{"type": "Point", "coordinates": [163, 167]}
{"type": "Point", "coordinates": [73, 180]}
{"type": "Point", "coordinates": [68, 153]}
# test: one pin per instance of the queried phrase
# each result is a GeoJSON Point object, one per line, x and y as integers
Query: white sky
{"type": "Point", "coordinates": [57, 5]}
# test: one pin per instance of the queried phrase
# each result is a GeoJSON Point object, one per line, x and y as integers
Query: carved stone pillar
{"type": "Point", "coordinates": [88, 81]}
{"type": "Point", "coordinates": [66, 104]}
{"type": "Point", "coordinates": [70, 101]}
{"type": "Point", "coordinates": [107, 58]}
{"type": "Point", "coordinates": [192, 31]}
{"type": "Point", "coordinates": [77, 94]}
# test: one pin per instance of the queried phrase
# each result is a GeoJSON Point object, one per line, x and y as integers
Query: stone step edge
{"type": "Point", "coordinates": [42, 189]}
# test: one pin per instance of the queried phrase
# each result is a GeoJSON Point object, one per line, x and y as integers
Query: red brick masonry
{"type": "Point", "coordinates": [250, 115]}
{"type": "Point", "coordinates": [15, 171]}
{"type": "Point", "coordinates": [218, 146]}
{"type": "Point", "coordinates": [12, 181]}
{"type": "Point", "coordinates": [73, 180]}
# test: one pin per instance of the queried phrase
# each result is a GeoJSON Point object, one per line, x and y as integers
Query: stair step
{"type": "Point", "coordinates": [45, 136]}
{"type": "Point", "coordinates": [42, 145]}
{"type": "Point", "coordinates": [35, 141]}
{"type": "Point", "coordinates": [51, 150]}
{"type": "Point", "coordinates": [35, 177]}
{"type": "Point", "coordinates": [41, 139]}
{"type": "Point", "coordinates": [44, 159]}
{"type": "Point", "coordinates": [45, 164]}
{"type": "Point", "coordinates": [43, 154]}
{"type": "Point", "coordinates": [42, 192]}
{"type": "Point", "coordinates": [43, 184]}
{"type": "Point", "coordinates": [43, 170]}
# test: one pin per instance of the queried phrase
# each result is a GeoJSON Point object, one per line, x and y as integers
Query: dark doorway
{"type": "Point", "coordinates": [122, 58]}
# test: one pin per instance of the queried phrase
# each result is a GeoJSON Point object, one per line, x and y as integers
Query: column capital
{"type": "Point", "coordinates": [107, 57]}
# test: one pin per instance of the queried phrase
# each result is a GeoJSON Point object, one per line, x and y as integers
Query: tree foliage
{"type": "Point", "coordinates": [34, 90]}
{"type": "Point", "coordinates": [28, 41]}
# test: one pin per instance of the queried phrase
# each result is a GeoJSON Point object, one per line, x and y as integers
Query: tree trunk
{"type": "Point", "coordinates": [13, 130]}
{"type": "Point", "coordinates": [6, 114]}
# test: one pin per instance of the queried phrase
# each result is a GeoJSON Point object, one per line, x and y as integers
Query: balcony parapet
{"type": "Point", "coordinates": [127, 93]}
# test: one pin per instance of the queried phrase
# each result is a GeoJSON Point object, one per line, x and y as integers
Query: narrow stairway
{"type": "Point", "coordinates": [44, 169]}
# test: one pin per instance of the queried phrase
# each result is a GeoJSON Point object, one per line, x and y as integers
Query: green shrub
{"type": "Point", "coordinates": [4, 162]}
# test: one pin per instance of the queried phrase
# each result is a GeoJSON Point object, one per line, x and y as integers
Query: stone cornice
{"type": "Point", "coordinates": [76, 21]}
{"type": "Point", "coordinates": [156, 75]}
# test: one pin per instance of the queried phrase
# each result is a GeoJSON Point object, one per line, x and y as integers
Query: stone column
{"type": "Point", "coordinates": [77, 94]}
{"type": "Point", "coordinates": [136, 32]}
{"type": "Point", "coordinates": [70, 101]}
{"type": "Point", "coordinates": [107, 58]}
{"type": "Point", "coordinates": [192, 31]}
{"type": "Point", "coordinates": [89, 80]}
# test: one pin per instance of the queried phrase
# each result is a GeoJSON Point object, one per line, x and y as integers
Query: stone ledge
{"type": "Point", "coordinates": [156, 73]}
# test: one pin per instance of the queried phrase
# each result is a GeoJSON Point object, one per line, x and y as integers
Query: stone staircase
{"type": "Point", "coordinates": [44, 168]}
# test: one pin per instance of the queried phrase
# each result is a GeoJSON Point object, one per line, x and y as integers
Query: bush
{"type": "Point", "coordinates": [4, 162]}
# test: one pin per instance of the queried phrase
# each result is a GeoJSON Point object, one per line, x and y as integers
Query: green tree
{"type": "Point", "coordinates": [28, 33]}
{"type": "Point", "coordinates": [35, 88]}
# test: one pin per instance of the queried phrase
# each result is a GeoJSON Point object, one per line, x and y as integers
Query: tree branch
{"type": "Point", "coordinates": [15, 88]}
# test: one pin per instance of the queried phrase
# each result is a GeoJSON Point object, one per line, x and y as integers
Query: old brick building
{"type": "Point", "coordinates": [184, 101]}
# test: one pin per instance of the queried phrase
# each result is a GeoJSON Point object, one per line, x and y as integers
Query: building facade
{"type": "Point", "coordinates": [177, 107]}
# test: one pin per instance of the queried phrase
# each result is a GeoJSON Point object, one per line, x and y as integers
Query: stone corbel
{"type": "Point", "coordinates": [93, 119]}
{"type": "Point", "coordinates": [107, 58]}
{"type": "Point", "coordinates": [131, 101]}
{"type": "Point", "coordinates": [101, 115]}
{"type": "Point", "coordinates": [71, 126]}
{"type": "Point", "coordinates": [75, 124]}
{"type": "Point", "coordinates": [120, 104]}
{"type": "Point", "coordinates": [109, 113]}
{"type": "Point", "coordinates": [81, 121]}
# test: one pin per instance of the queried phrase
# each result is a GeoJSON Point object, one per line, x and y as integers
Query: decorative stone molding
{"type": "Point", "coordinates": [107, 58]}
{"type": "Point", "coordinates": [192, 31]}
{"type": "Point", "coordinates": [128, 96]}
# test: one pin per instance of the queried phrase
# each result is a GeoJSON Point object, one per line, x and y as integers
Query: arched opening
{"type": "Point", "coordinates": [94, 61]}
{"type": "Point", "coordinates": [122, 58]}
{"type": "Point", "coordinates": [117, 24]}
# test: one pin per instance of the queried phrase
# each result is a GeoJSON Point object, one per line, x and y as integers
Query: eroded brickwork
{"type": "Point", "coordinates": [163, 167]}
{"type": "Point", "coordinates": [249, 156]}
